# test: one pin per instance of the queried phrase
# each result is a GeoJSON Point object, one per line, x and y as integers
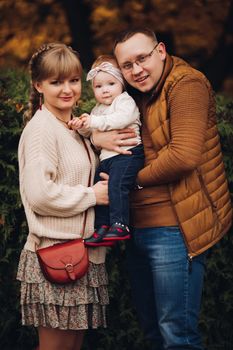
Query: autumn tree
{"type": "Point", "coordinates": [199, 31]}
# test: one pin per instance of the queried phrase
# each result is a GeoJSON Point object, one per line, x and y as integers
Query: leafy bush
{"type": "Point", "coordinates": [123, 332]}
{"type": "Point", "coordinates": [13, 87]}
{"type": "Point", "coordinates": [217, 307]}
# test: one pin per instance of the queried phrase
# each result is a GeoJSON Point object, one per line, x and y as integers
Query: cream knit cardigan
{"type": "Point", "coordinates": [54, 170]}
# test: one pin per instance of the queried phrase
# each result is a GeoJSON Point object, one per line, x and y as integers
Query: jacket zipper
{"type": "Point", "coordinates": [190, 257]}
{"type": "Point", "coordinates": [203, 186]}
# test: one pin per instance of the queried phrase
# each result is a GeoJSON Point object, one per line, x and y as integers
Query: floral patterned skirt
{"type": "Point", "coordinates": [79, 305]}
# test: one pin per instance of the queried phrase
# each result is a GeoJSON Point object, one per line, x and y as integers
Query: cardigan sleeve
{"type": "Point", "coordinates": [39, 162]}
{"type": "Point", "coordinates": [188, 106]}
{"type": "Point", "coordinates": [124, 113]}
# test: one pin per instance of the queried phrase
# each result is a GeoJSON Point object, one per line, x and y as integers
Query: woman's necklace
{"type": "Point", "coordinates": [63, 121]}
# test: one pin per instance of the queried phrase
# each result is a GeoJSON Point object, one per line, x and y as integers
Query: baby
{"type": "Point", "coordinates": [115, 109]}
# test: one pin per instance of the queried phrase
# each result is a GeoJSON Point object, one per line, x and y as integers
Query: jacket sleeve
{"type": "Point", "coordinates": [125, 113]}
{"type": "Point", "coordinates": [188, 107]}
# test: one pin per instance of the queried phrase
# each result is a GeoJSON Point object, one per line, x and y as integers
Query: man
{"type": "Point", "coordinates": [182, 206]}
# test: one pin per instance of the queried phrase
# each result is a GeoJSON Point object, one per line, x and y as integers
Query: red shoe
{"type": "Point", "coordinates": [96, 240]}
{"type": "Point", "coordinates": [117, 232]}
{"type": "Point", "coordinates": [100, 244]}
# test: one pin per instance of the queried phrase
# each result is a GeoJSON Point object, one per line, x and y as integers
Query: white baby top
{"type": "Point", "coordinates": [122, 113]}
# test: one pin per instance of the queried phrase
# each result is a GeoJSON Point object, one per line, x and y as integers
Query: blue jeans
{"type": "Point", "coordinates": [122, 170]}
{"type": "Point", "coordinates": [166, 287]}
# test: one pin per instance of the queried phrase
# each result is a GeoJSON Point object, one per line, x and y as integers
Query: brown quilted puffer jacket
{"type": "Point", "coordinates": [199, 196]}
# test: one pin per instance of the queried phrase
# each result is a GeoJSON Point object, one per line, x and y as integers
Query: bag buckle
{"type": "Point", "coordinates": [70, 271]}
{"type": "Point", "coordinates": [69, 268]}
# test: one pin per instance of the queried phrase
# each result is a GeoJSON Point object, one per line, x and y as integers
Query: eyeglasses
{"type": "Point", "coordinates": [140, 61]}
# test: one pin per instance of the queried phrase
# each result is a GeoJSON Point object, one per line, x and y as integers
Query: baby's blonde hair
{"type": "Point", "coordinates": [105, 58]}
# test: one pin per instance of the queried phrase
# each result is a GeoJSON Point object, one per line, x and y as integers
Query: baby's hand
{"type": "Point", "coordinates": [86, 119]}
{"type": "Point", "coordinates": [75, 124]}
{"type": "Point", "coordinates": [84, 116]}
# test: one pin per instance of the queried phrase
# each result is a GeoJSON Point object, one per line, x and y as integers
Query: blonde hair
{"type": "Point", "coordinates": [50, 60]}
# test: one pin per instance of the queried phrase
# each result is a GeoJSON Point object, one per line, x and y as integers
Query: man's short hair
{"type": "Point", "coordinates": [128, 33]}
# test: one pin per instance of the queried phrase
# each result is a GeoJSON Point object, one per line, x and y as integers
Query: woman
{"type": "Point", "coordinates": [54, 166]}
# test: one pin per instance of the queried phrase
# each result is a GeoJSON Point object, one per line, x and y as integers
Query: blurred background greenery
{"type": "Point", "coordinates": [199, 31]}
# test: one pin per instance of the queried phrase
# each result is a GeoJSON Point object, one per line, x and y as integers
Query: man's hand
{"type": "Point", "coordinates": [114, 140]}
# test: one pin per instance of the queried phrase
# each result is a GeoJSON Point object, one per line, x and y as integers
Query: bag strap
{"type": "Point", "coordinates": [89, 179]}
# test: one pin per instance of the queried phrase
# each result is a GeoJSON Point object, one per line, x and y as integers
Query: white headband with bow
{"type": "Point", "coordinates": [106, 67]}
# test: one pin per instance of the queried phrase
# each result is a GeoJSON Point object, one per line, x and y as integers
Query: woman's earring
{"type": "Point", "coordinates": [40, 102]}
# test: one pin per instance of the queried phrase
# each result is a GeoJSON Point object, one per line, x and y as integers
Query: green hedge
{"type": "Point", "coordinates": [123, 331]}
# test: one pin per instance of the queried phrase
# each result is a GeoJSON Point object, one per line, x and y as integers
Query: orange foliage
{"type": "Point", "coordinates": [25, 25]}
{"type": "Point", "coordinates": [194, 27]}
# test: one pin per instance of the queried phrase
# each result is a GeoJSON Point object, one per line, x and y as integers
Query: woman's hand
{"type": "Point", "coordinates": [113, 140]}
{"type": "Point", "coordinates": [101, 190]}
